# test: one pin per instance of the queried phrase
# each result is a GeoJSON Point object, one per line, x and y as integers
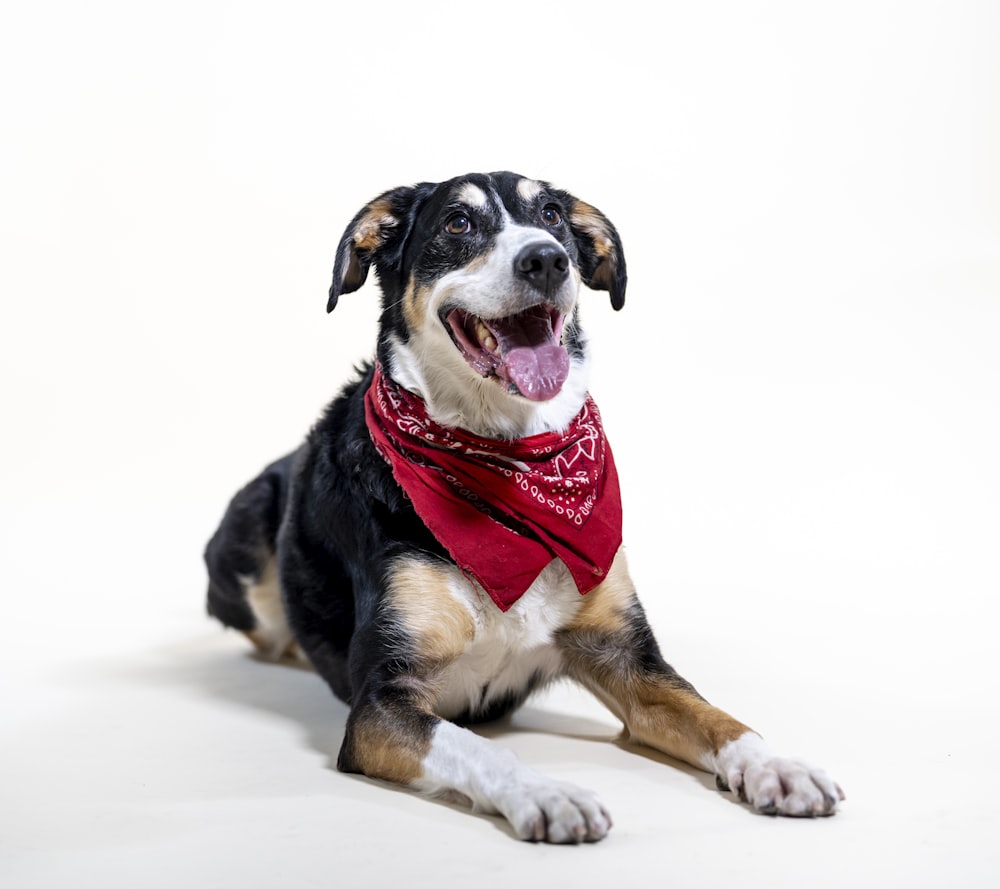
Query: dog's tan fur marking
{"type": "Point", "coordinates": [292, 654]}
{"type": "Point", "coordinates": [439, 625]}
{"type": "Point", "coordinates": [370, 231]}
{"type": "Point", "coordinates": [593, 224]}
{"type": "Point", "coordinates": [605, 608]}
{"type": "Point", "coordinates": [386, 744]}
{"type": "Point", "coordinates": [679, 722]}
{"type": "Point", "coordinates": [669, 718]}
{"type": "Point", "coordinates": [414, 301]}
{"type": "Point", "coordinates": [271, 635]}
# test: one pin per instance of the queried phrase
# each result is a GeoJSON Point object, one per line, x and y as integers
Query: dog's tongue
{"type": "Point", "coordinates": [538, 371]}
{"type": "Point", "coordinates": [533, 359]}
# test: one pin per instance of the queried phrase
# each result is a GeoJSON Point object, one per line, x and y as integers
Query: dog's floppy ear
{"type": "Point", "coordinates": [602, 262]}
{"type": "Point", "coordinates": [373, 233]}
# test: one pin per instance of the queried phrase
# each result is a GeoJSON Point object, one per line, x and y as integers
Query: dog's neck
{"type": "Point", "coordinates": [454, 396]}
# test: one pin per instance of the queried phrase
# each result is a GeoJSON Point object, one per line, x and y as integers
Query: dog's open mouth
{"type": "Point", "coordinates": [523, 350]}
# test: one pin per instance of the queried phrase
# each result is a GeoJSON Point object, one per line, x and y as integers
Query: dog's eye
{"type": "Point", "coordinates": [550, 215]}
{"type": "Point", "coordinates": [459, 224]}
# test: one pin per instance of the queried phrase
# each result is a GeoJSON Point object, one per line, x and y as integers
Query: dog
{"type": "Point", "coordinates": [447, 539]}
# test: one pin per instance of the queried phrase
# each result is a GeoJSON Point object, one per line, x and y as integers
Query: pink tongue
{"type": "Point", "coordinates": [531, 356]}
{"type": "Point", "coordinates": [538, 371]}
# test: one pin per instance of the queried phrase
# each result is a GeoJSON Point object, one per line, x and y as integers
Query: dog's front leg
{"type": "Point", "coordinates": [390, 736]}
{"type": "Point", "coordinates": [611, 649]}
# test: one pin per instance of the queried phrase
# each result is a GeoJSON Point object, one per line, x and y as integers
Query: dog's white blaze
{"type": "Point", "coordinates": [490, 288]}
{"type": "Point", "coordinates": [509, 648]}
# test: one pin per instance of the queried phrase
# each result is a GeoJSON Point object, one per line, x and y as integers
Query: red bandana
{"type": "Point", "coordinates": [504, 509]}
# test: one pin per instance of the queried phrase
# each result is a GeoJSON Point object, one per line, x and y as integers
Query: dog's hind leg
{"type": "Point", "coordinates": [243, 589]}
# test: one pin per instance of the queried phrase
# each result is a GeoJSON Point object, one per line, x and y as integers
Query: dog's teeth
{"type": "Point", "coordinates": [487, 339]}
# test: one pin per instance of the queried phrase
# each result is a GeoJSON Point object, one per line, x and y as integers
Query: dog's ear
{"type": "Point", "coordinates": [371, 237]}
{"type": "Point", "coordinates": [602, 262]}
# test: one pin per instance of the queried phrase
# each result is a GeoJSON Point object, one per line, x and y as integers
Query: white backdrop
{"type": "Point", "coordinates": [802, 390]}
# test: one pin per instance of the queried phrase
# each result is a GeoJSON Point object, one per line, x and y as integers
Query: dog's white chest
{"type": "Point", "coordinates": [510, 650]}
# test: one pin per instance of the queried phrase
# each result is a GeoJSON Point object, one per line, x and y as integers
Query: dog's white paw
{"type": "Point", "coordinates": [494, 780]}
{"type": "Point", "coordinates": [774, 785]}
{"type": "Point", "coordinates": [554, 813]}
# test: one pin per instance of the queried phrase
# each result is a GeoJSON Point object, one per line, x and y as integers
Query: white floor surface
{"type": "Point", "coordinates": [802, 393]}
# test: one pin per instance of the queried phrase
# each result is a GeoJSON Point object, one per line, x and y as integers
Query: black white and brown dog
{"type": "Point", "coordinates": [448, 538]}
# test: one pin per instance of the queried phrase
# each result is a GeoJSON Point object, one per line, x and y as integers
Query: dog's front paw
{"type": "Point", "coordinates": [773, 785]}
{"type": "Point", "coordinates": [555, 813]}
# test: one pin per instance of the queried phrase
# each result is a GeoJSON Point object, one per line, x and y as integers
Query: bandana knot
{"type": "Point", "coordinates": [504, 509]}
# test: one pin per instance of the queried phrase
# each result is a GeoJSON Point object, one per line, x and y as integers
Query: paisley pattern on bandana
{"type": "Point", "coordinates": [504, 509]}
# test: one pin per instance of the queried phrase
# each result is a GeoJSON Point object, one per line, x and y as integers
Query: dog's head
{"type": "Point", "coordinates": [480, 277]}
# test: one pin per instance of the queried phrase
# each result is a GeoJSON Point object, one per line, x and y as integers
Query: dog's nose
{"type": "Point", "coordinates": [543, 264]}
